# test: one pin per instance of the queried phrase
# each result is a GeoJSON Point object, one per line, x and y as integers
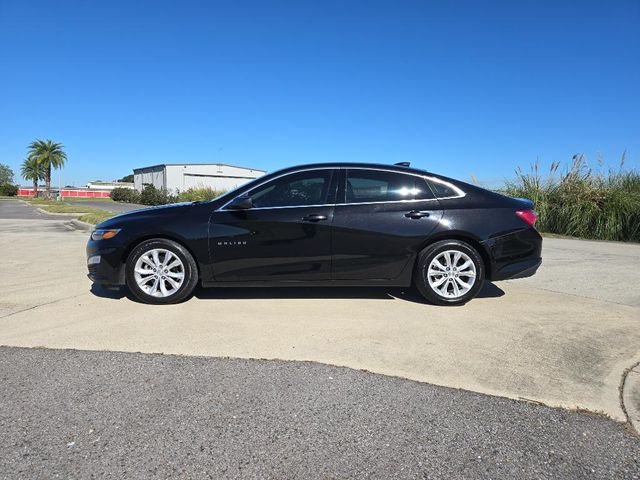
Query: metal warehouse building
{"type": "Point", "coordinates": [182, 176]}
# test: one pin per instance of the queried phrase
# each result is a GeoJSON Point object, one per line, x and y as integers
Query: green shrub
{"type": "Point", "coordinates": [127, 195]}
{"type": "Point", "coordinates": [582, 202]}
{"type": "Point", "coordinates": [153, 196]}
{"type": "Point", "coordinates": [199, 194]}
{"type": "Point", "coordinates": [8, 190]}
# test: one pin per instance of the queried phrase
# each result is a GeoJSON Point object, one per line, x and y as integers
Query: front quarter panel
{"type": "Point", "coordinates": [186, 224]}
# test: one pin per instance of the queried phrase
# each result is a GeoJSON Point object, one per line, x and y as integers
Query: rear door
{"type": "Point", "coordinates": [285, 236]}
{"type": "Point", "coordinates": [381, 220]}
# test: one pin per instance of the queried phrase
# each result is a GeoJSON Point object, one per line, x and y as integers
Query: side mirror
{"type": "Point", "coordinates": [240, 203]}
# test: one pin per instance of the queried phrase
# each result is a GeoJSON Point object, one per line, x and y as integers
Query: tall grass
{"type": "Point", "coordinates": [200, 193]}
{"type": "Point", "coordinates": [581, 201]}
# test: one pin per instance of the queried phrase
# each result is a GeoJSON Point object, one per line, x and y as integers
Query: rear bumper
{"type": "Point", "coordinates": [522, 269]}
{"type": "Point", "coordinates": [514, 255]}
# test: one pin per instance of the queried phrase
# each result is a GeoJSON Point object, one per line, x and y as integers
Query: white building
{"type": "Point", "coordinates": [108, 185]}
{"type": "Point", "coordinates": [183, 176]}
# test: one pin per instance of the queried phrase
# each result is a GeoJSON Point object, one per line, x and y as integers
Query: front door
{"type": "Point", "coordinates": [284, 236]}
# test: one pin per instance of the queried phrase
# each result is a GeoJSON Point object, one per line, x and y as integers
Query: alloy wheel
{"type": "Point", "coordinates": [159, 272]}
{"type": "Point", "coordinates": [451, 274]}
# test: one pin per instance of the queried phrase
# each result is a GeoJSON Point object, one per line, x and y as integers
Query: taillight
{"type": "Point", "coordinates": [529, 216]}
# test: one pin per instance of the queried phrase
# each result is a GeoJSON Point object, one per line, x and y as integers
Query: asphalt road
{"type": "Point", "coordinates": [16, 210]}
{"type": "Point", "coordinates": [72, 414]}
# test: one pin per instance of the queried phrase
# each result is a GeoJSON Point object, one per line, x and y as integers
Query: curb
{"type": "Point", "coordinates": [630, 396]}
{"type": "Point", "coordinates": [82, 225]}
{"type": "Point", "coordinates": [69, 214]}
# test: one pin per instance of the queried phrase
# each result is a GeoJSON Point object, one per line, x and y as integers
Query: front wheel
{"type": "Point", "coordinates": [449, 272]}
{"type": "Point", "coordinates": [161, 271]}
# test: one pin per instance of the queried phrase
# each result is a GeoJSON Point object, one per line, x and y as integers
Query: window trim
{"type": "Point", "coordinates": [336, 170]}
{"type": "Point", "coordinates": [460, 193]}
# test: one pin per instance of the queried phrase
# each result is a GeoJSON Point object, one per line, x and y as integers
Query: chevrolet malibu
{"type": "Point", "coordinates": [338, 224]}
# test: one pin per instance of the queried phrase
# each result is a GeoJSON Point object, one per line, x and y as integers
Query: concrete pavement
{"type": "Point", "coordinates": [563, 338]}
{"type": "Point", "coordinates": [607, 271]}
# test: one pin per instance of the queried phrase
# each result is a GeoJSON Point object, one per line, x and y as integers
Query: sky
{"type": "Point", "coordinates": [457, 88]}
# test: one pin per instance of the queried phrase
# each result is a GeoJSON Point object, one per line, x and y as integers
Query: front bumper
{"type": "Point", "coordinates": [109, 270]}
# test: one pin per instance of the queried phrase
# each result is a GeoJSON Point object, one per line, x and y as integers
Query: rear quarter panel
{"type": "Point", "coordinates": [490, 220]}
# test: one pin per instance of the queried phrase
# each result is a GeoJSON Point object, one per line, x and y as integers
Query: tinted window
{"type": "Point", "coordinates": [442, 191]}
{"type": "Point", "coordinates": [380, 186]}
{"type": "Point", "coordinates": [297, 189]}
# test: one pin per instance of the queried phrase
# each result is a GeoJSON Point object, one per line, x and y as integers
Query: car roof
{"type": "Point", "coordinates": [382, 166]}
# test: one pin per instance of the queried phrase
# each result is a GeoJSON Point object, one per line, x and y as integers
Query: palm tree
{"type": "Point", "coordinates": [32, 170]}
{"type": "Point", "coordinates": [51, 155]}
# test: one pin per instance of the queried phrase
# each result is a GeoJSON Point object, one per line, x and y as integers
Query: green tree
{"type": "Point", "coordinates": [127, 178]}
{"type": "Point", "coordinates": [6, 174]}
{"type": "Point", "coordinates": [33, 170]}
{"type": "Point", "coordinates": [51, 155]}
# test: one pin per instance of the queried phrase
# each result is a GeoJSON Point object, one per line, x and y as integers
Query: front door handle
{"type": "Point", "coordinates": [416, 214]}
{"type": "Point", "coordinates": [314, 218]}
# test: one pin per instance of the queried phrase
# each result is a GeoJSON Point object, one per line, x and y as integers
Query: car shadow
{"type": "Point", "coordinates": [113, 293]}
{"type": "Point", "coordinates": [489, 290]}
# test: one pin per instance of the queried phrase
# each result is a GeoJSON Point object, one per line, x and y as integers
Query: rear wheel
{"type": "Point", "coordinates": [449, 272]}
{"type": "Point", "coordinates": [161, 271]}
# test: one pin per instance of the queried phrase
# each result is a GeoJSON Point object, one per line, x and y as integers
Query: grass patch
{"type": "Point", "coordinates": [96, 217]}
{"type": "Point", "coordinates": [57, 208]}
{"type": "Point", "coordinates": [90, 215]}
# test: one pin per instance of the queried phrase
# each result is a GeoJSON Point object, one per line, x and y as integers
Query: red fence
{"type": "Point", "coordinates": [68, 192]}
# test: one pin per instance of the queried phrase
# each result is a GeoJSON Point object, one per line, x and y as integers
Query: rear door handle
{"type": "Point", "coordinates": [416, 214]}
{"type": "Point", "coordinates": [314, 218]}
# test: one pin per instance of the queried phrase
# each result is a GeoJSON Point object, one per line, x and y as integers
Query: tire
{"type": "Point", "coordinates": [447, 288]}
{"type": "Point", "coordinates": [162, 285]}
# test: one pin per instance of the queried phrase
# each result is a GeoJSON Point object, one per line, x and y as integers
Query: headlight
{"type": "Point", "coordinates": [104, 234]}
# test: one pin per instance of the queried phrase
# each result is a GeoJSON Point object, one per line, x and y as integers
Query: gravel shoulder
{"type": "Point", "coordinates": [80, 414]}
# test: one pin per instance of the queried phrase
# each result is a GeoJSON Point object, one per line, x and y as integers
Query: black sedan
{"type": "Point", "coordinates": [335, 224]}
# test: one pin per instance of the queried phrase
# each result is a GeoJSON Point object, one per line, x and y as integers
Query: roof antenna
{"type": "Point", "coordinates": [403, 164]}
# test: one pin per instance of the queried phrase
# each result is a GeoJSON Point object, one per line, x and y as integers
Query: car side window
{"type": "Point", "coordinates": [441, 190]}
{"type": "Point", "coordinates": [297, 189]}
{"type": "Point", "coordinates": [365, 186]}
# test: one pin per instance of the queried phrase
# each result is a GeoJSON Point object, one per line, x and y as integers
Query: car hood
{"type": "Point", "coordinates": [135, 215]}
